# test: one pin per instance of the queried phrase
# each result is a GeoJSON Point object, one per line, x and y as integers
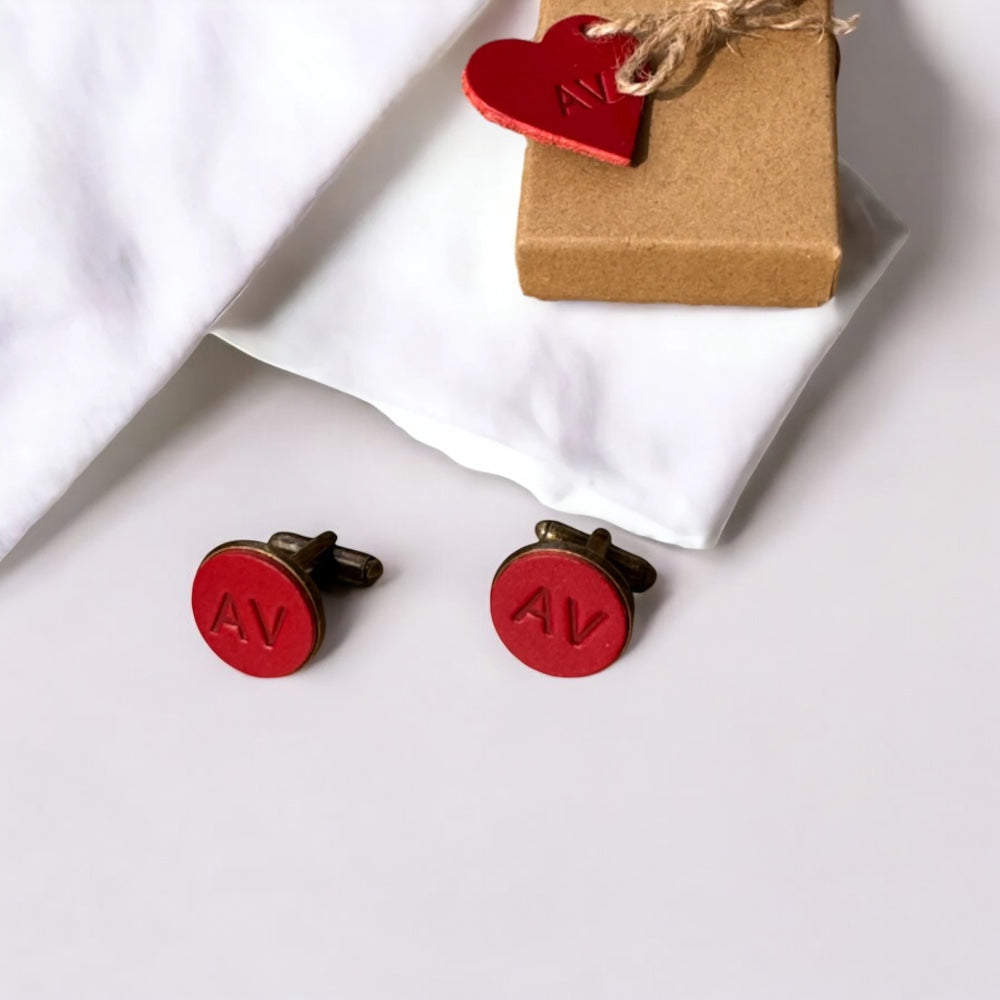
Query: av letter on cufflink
{"type": "Point", "coordinates": [564, 606]}
{"type": "Point", "coordinates": [258, 606]}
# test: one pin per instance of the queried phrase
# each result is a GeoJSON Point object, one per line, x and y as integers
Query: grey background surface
{"type": "Point", "coordinates": [787, 789]}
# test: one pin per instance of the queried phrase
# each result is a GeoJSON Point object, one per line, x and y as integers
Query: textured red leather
{"type": "Point", "coordinates": [559, 614]}
{"type": "Point", "coordinates": [254, 613]}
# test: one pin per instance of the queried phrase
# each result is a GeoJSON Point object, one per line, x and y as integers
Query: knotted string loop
{"type": "Point", "coordinates": [699, 27]}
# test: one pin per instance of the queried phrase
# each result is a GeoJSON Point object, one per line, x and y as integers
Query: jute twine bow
{"type": "Point", "coordinates": [700, 27]}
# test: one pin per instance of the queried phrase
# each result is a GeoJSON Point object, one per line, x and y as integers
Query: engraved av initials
{"type": "Point", "coordinates": [582, 95]}
{"type": "Point", "coordinates": [578, 636]}
{"type": "Point", "coordinates": [270, 634]}
{"type": "Point", "coordinates": [539, 606]}
{"type": "Point", "coordinates": [228, 616]}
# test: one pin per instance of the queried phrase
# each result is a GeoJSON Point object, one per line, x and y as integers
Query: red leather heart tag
{"type": "Point", "coordinates": [560, 90]}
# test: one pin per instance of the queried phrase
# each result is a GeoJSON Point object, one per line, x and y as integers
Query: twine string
{"type": "Point", "coordinates": [698, 27]}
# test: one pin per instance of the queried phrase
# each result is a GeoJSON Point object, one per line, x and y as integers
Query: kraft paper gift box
{"type": "Point", "coordinates": [733, 198]}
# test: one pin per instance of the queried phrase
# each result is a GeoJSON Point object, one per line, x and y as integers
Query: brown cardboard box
{"type": "Point", "coordinates": [734, 200]}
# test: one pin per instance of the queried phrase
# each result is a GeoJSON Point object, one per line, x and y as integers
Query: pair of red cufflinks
{"type": "Point", "coordinates": [562, 606]}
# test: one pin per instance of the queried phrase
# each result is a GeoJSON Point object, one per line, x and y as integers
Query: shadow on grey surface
{"type": "Point", "coordinates": [897, 130]}
{"type": "Point", "coordinates": [213, 373]}
{"type": "Point", "coordinates": [649, 608]}
{"type": "Point", "coordinates": [339, 605]}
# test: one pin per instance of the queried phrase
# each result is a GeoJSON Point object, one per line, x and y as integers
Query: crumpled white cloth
{"type": "Point", "coordinates": [153, 153]}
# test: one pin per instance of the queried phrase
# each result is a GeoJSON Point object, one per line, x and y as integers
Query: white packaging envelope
{"type": "Point", "coordinates": [400, 288]}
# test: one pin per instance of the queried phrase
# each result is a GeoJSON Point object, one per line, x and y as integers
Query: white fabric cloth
{"type": "Point", "coordinates": [153, 152]}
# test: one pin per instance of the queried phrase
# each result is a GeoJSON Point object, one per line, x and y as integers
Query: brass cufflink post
{"type": "Point", "coordinates": [634, 570]}
{"type": "Point", "coordinates": [328, 563]}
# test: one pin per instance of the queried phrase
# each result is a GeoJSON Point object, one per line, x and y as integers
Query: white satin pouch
{"type": "Point", "coordinates": [400, 288]}
{"type": "Point", "coordinates": [154, 153]}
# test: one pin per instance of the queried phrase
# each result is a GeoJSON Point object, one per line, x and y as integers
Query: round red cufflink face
{"type": "Point", "coordinates": [256, 611]}
{"type": "Point", "coordinates": [559, 613]}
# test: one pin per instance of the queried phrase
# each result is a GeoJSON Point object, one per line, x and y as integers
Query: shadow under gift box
{"type": "Point", "coordinates": [733, 198]}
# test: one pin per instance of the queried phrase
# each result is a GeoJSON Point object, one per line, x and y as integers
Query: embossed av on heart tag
{"type": "Point", "coordinates": [559, 91]}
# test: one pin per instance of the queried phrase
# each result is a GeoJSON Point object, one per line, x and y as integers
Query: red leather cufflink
{"type": "Point", "coordinates": [564, 605]}
{"type": "Point", "coordinates": [258, 606]}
